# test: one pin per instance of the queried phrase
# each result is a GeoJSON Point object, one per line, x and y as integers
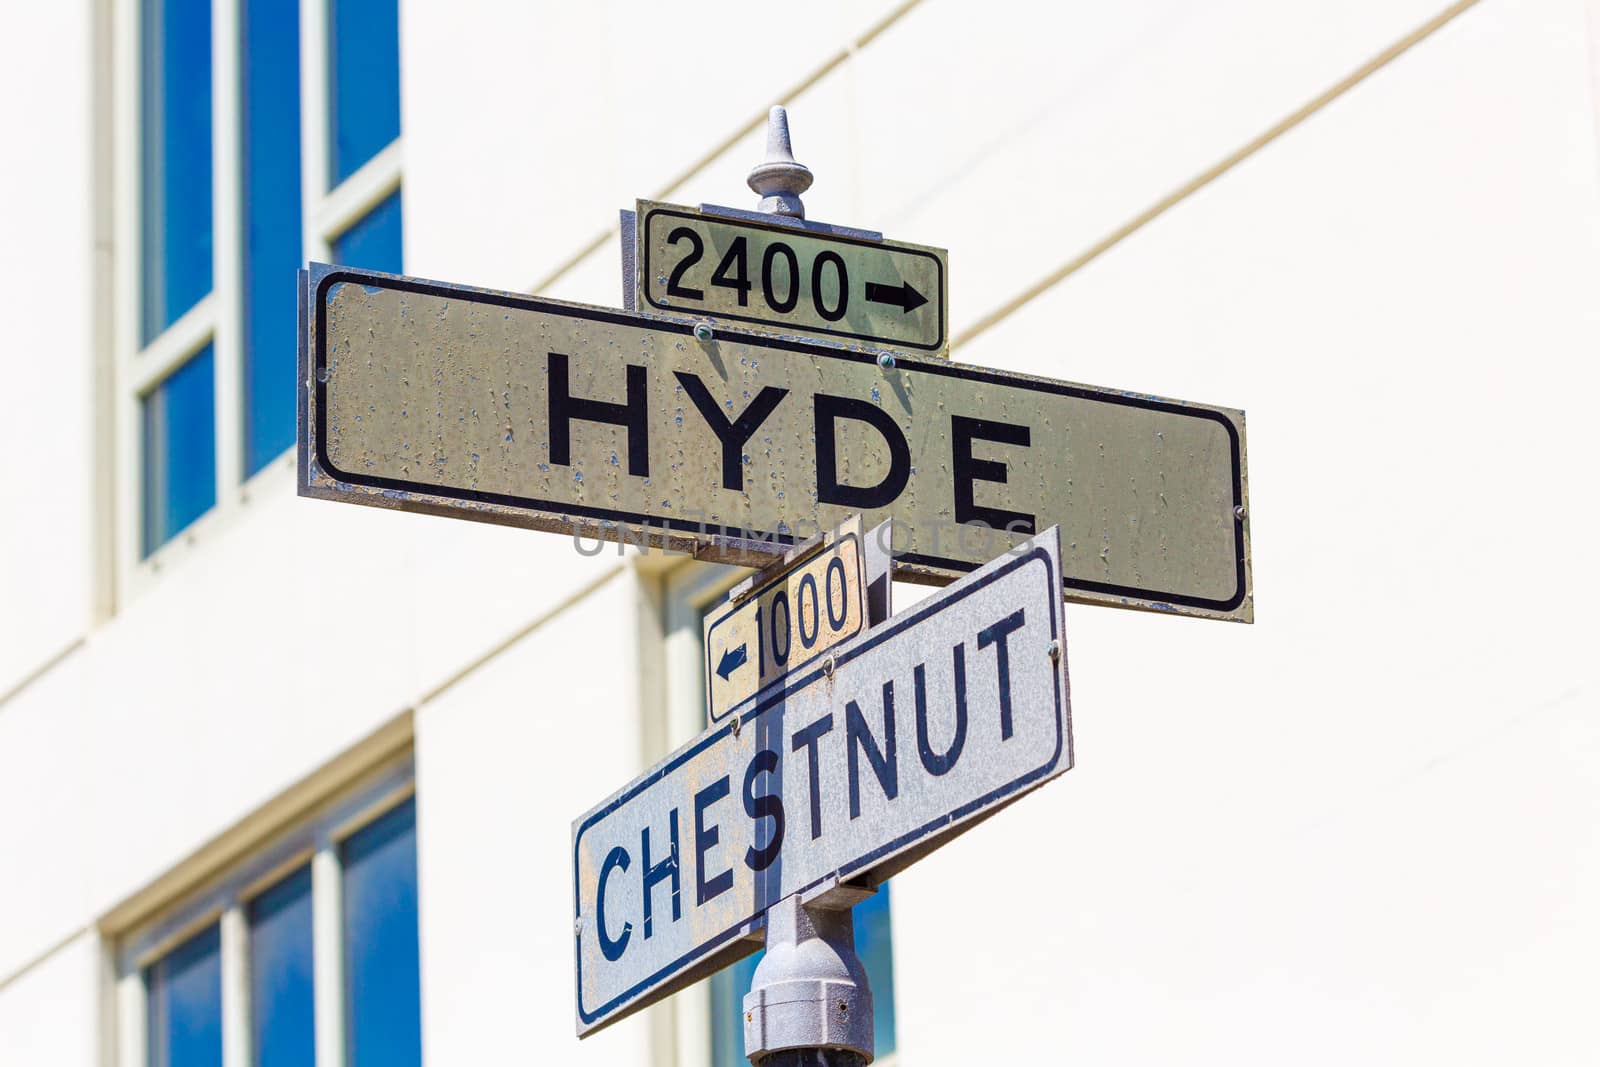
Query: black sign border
{"type": "Point", "coordinates": [341, 275]}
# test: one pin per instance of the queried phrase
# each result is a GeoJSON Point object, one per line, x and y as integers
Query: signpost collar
{"type": "Point", "coordinates": [809, 996]}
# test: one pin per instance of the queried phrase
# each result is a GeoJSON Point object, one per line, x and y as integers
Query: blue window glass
{"type": "Point", "coordinates": [373, 243]}
{"type": "Point", "coordinates": [363, 82]}
{"type": "Point", "coordinates": [270, 102]}
{"type": "Point", "coordinates": [183, 1002]}
{"type": "Point", "coordinates": [877, 955]}
{"type": "Point", "coordinates": [180, 456]}
{"type": "Point", "coordinates": [383, 1000]}
{"type": "Point", "coordinates": [175, 160]}
{"type": "Point", "coordinates": [729, 986]}
{"type": "Point", "coordinates": [281, 1001]}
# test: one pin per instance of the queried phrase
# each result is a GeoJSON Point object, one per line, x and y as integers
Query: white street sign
{"type": "Point", "coordinates": [852, 768]}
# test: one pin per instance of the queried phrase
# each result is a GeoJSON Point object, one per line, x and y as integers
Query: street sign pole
{"type": "Point", "coordinates": [810, 1004]}
{"type": "Point", "coordinates": [845, 742]}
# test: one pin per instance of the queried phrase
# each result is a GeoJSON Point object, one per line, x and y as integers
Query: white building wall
{"type": "Point", "coordinates": [47, 430]}
{"type": "Point", "coordinates": [304, 630]}
{"type": "Point", "coordinates": [50, 1013]}
{"type": "Point", "coordinates": [497, 754]}
{"type": "Point", "coordinates": [1364, 830]}
{"type": "Point", "coordinates": [529, 125]}
{"type": "Point", "coordinates": [1364, 827]}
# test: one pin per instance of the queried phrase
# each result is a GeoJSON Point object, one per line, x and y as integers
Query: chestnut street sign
{"type": "Point", "coordinates": [848, 770]}
{"type": "Point", "coordinates": [790, 276]}
{"type": "Point", "coordinates": [506, 408]}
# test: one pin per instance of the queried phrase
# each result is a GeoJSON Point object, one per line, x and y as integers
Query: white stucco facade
{"type": "Point", "coordinates": [1366, 828]}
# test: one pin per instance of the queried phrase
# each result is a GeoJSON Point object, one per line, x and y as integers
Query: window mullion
{"type": "Point", "coordinates": [358, 194]}
{"type": "Point", "coordinates": [327, 948]}
{"type": "Point", "coordinates": [126, 134]}
{"type": "Point", "coordinates": [132, 1048]}
{"type": "Point", "coordinates": [692, 1008]}
{"type": "Point", "coordinates": [227, 270]}
{"type": "Point", "coordinates": [177, 344]}
{"type": "Point", "coordinates": [313, 124]}
{"type": "Point", "coordinates": [235, 937]}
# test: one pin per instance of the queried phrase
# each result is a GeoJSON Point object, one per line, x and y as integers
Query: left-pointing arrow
{"type": "Point", "coordinates": [732, 660]}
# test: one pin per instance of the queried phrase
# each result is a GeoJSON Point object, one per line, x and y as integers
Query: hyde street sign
{"type": "Point", "coordinates": [802, 278]}
{"type": "Point", "coordinates": [554, 416]}
{"type": "Point", "coordinates": [850, 769]}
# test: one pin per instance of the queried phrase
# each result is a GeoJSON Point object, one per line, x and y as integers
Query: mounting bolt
{"type": "Point", "coordinates": [577, 926]}
{"type": "Point", "coordinates": [703, 332]}
{"type": "Point", "coordinates": [737, 725]}
{"type": "Point", "coordinates": [828, 665]}
{"type": "Point", "coordinates": [1053, 650]}
{"type": "Point", "coordinates": [1239, 512]}
{"type": "Point", "coordinates": [886, 361]}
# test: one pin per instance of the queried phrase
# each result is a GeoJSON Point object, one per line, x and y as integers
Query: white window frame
{"type": "Point", "coordinates": [225, 900]}
{"type": "Point", "coordinates": [218, 317]}
{"type": "Point", "coordinates": [688, 589]}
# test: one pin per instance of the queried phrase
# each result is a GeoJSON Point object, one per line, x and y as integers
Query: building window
{"type": "Point", "coordinates": [282, 967]}
{"type": "Point", "coordinates": [305, 950]}
{"type": "Point", "coordinates": [184, 988]}
{"type": "Point", "coordinates": [373, 241]}
{"type": "Point", "coordinates": [175, 161]}
{"type": "Point", "coordinates": [270, 180]}
{"type": "Point", "coordinates": [363, 83]}
{"type": "Point", "coordinates": [248, 160]}
{"type": "Point", "coordinates": [180, 460]}
{"type": "Point", "coordinates": [875, 947]}
{"type": "Point", "coordinates": [382, 982]}
{"type": "Point", "coordinates": [728, 987]}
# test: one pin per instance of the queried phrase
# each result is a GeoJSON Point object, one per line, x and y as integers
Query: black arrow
{"type": "Point", "coordinates": [902, 296]}
{"type": "Point", "coordinates": [732, 660]}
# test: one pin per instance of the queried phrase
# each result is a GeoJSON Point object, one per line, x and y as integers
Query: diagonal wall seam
{"type": "Point", "coordinates": [1215, 171]}
{"type": "Point", "coordinates": [25, 968]}
{"type": "Point", "coordinates": [832, 63]}
{"type": "Point", "coordinates": [49, 664]}
{"type": "Point", "coordinates": [506, 643]}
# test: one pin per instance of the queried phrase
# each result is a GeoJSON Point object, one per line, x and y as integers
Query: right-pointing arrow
{"type": "Point", "coordinates": [902, 296]}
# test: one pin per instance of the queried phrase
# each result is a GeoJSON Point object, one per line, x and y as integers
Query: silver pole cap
{"type": "Point", "coordinates": [810, 990]}
{"type": "Point", "coordinates": [779, 180]}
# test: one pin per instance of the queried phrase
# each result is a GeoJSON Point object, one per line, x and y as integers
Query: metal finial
{"type": "Point", "coordinates": [779, 180]}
